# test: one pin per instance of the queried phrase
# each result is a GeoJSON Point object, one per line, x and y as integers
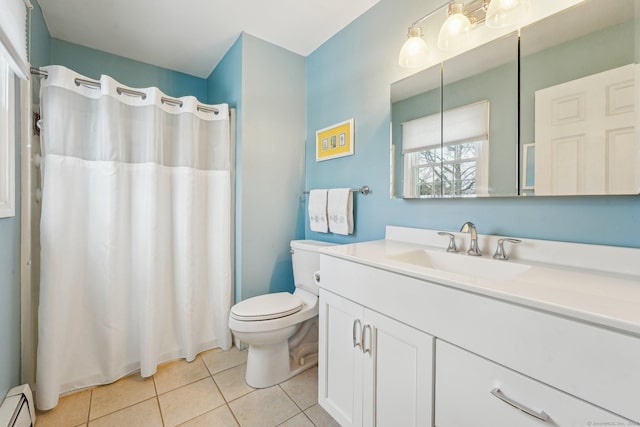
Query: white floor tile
{"type": "Point", "coordinates": [72, 410]}
{"type": "Point", "coordinates": [299, 420]}
{"type": "Point", "coordinates": [266, 407]}
{"type": "Point", "coordinates": [303, 388]}
{"type": "Point", "coordinates": [218, 360]}
{"type": "Point", "coordinates": [232, 383]}
{"type": "Point", "coordinates": [125, 392]}
{"type": "Point", "coordinates": [185, 403]}
{"type": "Point", "coordinates": [219, 417]}
{"type": "Point", "coordinates": [178, 373]}
{"type": "Point", "coordinates": [144, 414]}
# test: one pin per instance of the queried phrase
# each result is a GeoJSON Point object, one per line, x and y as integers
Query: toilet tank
{"type": "Point", "coordinates": [306, 262]}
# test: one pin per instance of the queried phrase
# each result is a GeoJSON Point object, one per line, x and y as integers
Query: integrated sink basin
{"type": "Point", "coordinates": [462, 264]}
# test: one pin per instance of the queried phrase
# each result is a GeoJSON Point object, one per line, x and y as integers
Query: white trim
{"type": "Point", "coordinates": [28, 325]}
{"type": "Point", "coordinates": [482, 169]}
{"type": "Point", "coordinates": [7, 142]}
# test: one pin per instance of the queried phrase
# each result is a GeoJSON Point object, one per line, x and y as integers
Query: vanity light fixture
{"type": "Point", "coordinates": [502, 13]}
{"type": "Point", "coordinates": [414, 51]}
{"type": "Point", "coordinates": [454, 32]}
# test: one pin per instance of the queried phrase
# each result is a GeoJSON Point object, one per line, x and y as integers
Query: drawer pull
{"type": "Point", "coordinates": [367, 349]}
{"type": "Point", "coordinates": [539, 415]}
{"type": "Point", "coordinates": [356, 327]}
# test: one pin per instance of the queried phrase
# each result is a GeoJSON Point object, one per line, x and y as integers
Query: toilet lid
{"type": "Point", "coordinates": [266, 307]}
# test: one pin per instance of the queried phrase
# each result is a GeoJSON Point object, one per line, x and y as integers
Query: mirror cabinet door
{"type": "Point", "coordinates": [416, 135]}
{"type": "Point", "coordinates": [579, 90]}
{"type": "Point", "coordinates": [480, 121]}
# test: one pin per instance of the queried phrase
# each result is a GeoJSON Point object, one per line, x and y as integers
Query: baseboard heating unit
{"type": "Point", "coordinates": [17, 409]}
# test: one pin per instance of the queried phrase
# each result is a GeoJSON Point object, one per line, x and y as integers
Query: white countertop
{"type": "Point", "coordinates": [603, 298]}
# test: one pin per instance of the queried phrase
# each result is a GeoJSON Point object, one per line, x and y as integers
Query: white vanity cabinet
{"type": "Point", "coordinates": [555, 340]}
{"type": "Point", "coordinates": [373, 370]}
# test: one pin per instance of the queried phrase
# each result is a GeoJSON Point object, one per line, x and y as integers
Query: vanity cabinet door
{"type": "Point", "coordinates": [372, 370]}
{"type": "Point", "coordinates": [340, 359]}
{"type": "Point", "coordinates": [398, 379]}
{"type": "Point", "coordinates": [472, 391]}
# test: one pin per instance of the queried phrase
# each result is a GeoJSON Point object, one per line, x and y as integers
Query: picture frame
{"type": "Point", "coordinates": [335, 141]}
{"type": "Point", "coordinates": [528, 166]}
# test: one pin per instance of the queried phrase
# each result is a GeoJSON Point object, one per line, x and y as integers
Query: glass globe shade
{"type": "Point", "coordinates": [502, 13]}
{"type": "Point", "coordinates": [454, 32]}
{"type": "Point", "coordinates": [414, 51]}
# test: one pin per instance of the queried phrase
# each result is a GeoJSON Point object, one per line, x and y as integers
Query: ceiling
{"type": "Point", "coordinates": [192, 36]}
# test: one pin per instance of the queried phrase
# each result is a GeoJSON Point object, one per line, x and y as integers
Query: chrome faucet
{"type": "Point", "coordinates": [469, 227]}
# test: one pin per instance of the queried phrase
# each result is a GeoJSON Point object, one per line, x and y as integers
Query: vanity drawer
{"type": "Point", "coordinates": [463, 396]}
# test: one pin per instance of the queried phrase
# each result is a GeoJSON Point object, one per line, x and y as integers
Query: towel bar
{"type": "Point", "coordinates": [362, 190]}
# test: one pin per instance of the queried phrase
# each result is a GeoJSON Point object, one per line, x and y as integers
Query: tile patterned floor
{"type": "Point", "coordinates": [210, 391]}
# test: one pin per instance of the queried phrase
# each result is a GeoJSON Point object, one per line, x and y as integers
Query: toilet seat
{"type": "Point", "coordinates": [267, 307]}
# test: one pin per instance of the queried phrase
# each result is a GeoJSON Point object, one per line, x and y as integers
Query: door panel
{"type": "Point", "coordinates": [398, 374]}
{"type": "Point", "coordinates": [340, 363]}
{"type": "Point", "coordinates": [586, 140]}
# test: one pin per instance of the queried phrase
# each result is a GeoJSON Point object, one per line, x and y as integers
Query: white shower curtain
{"type": "Point", "coordinates": [135, 232]}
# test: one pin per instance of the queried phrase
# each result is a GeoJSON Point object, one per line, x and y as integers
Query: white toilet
{"type": "Point", "coordinates": [281, 329]}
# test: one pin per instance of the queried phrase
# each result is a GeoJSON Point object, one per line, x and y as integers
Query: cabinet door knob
{"type": "Point", "coordinates": [356, 328]}
{"type": "Point", "coordinates": [539, 415]}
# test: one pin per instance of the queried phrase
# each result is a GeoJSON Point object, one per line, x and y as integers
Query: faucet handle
{"type": "Point", "coordinates": [500, 253]}
{"type": "Point", "coordinates": [452, 241]}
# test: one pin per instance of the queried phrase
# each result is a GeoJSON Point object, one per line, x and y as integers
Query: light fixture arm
{"type": "Point", "coordinates": [472, 13]}
{"type": "Point", "coordinates": [430, 14]}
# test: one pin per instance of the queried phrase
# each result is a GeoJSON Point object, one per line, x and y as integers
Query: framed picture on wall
{"type": "Point", "coordinates": [335, 141]}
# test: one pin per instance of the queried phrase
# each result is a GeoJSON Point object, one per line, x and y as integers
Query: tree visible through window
{"type": "Point", "coordinates": [452, 171]}
{"type": "Point", "coordinates": [447, 155]}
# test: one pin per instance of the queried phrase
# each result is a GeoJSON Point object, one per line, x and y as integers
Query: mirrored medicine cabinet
{"type": "Point", "coordinates": [549, 112]}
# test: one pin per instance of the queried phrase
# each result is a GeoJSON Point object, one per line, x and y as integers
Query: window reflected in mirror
{"type": "Point", "coordinates": [470, 149]}
{"type": "Point", "coordinates": [452, 164]}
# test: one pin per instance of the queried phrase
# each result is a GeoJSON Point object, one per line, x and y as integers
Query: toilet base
{"type": "Point", "coordinates": [267, 365]}
{"type": "Point", "coordinates": [263, 372]}
{"type": "Point", "coordinates": [271, 364]}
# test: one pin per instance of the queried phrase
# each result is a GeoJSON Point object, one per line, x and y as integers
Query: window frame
{"type": "Point", "coordinates": [412, 167]}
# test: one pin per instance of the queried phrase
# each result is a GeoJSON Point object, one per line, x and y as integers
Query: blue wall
{"type": "Point", "coordinates": [224, 84]}
{"type": "Point", "coordinates": [272, 155]}
{"type": "Point", "coordinates": [92, 63]}
{"type": "Point", "coordinates": [266, 84]}
{"type": "Point", "coordinates": [349, 76]}
{"type": "Point", "coordinates": [40, 46]}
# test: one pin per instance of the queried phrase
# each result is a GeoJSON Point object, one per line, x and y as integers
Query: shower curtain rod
{"type": "Point", "coordinates": [96, 85]}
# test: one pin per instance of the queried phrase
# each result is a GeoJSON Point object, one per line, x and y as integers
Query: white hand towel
{"type": "Point", "coordinates": [318, 211]}
{"type": "Point", "coordinates": [340, 211]}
